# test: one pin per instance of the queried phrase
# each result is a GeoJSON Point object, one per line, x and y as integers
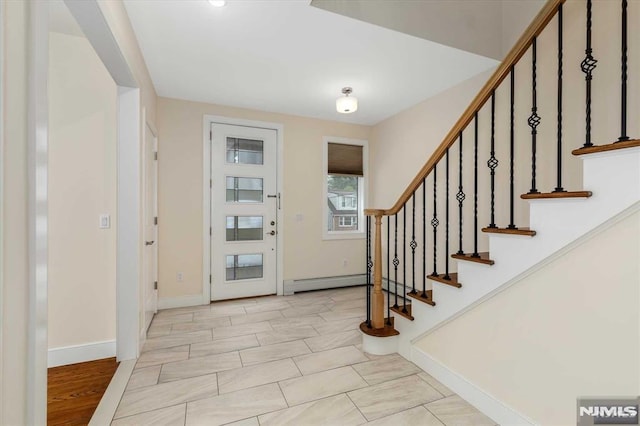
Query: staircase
{"type": "Point", "coordinates": [432, 256]}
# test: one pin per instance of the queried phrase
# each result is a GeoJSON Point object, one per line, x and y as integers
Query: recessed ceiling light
{"type": "Point", "coordinates": [217, 3]}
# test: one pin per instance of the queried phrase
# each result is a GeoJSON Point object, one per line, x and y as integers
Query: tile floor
{"type": "Point", "coordinates": [293, 360]}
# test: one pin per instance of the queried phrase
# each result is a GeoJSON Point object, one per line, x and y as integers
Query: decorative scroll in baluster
{"type": "Point", "coordinates": [559, 187]}
{"type": "Point", "coordinates": [396, 261]}
{"type": "Point", "coordinates": [623, 98]}
{"type": "Point", "coordinates": [388, 270]}
{"type": "Point", "coordinates": [460, 197]}
{"type": "Point", "coordinates": [404, 257]}
{"type": "Point", "coordinates": [512, 149]}
{"type": "Point", "coordinates": [424, 238]}
{"type": "Point", "coordinates": [435, 222]}
{"type": "Point", "coordinates": [369, 265]}
{"type": "Point", "coordinates": [492, 163]}
{"type": "Point", "coordinates": [475, 187]}
{"type": "Point", "coordinates": [446, 227]}
{"type": "Point", "coordinates": [587, 66]}
{"type": "Point", "coordinates": [534, 118]}
{"type": "Point", "coordinates": [413, 244]}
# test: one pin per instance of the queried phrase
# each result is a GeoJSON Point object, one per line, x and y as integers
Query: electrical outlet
{"type": "Point", "coordinates": [105, 221]}
{"type": "Point", "coordinates": [180, 277]}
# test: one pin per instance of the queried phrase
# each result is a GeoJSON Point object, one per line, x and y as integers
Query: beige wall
{"type": "Point", "coordinates": [570, 329]}
{"type": "Point", "coordinates": [82, 185]}
{"type": "Point", "coordinates": [306, 255]}
{"type": "Point", "coordinates": [120, 25]}
{"type": "Point", "coordinates": [15, 272]}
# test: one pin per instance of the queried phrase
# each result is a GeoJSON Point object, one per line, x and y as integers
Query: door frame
{"type": "Point", "coordinates": [151, 128]}
{"type": "Point", "coordinates": [207, 121]}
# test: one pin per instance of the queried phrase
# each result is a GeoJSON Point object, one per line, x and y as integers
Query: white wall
{"type": "Point", "coordinates": [15, 272]}
{"type": "Point", "coordinates": [306, 255]}
{"type": "Point", "coordinates": [82, 185]}
{"type": "Point", "coordinates": [570, 329]}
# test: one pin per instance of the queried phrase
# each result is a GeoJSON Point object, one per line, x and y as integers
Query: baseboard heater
{"type": "Point", "coordinates": [296, 286]}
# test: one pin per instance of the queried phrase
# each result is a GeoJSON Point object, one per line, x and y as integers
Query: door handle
{"type": "Point", "coordinates": [271, 233]}
{"type": "Point", "coordinates": [149, 243]}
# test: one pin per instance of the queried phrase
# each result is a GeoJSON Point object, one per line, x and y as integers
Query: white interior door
{"type": "Point", "coordinates": [244, 203]}
{"type": "Point", "coordinates": [150, 256]}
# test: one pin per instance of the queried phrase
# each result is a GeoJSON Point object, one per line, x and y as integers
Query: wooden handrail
{"type": "Point", "coordinates": [535, 28]}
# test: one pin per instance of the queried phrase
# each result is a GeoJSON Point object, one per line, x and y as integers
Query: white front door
{"type": "Point", "coordinates": [150, 208]}
{"type": "Point", "coordinates": [244, 203]}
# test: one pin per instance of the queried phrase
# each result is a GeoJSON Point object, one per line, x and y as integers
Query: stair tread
{"type": "Point", "coordinates": [517, 231]}
{"type": "Point", "coordinates": [482, 258]}
{"type": "Point", "coordinates": [387, 331]}
{"type": "Point", "coordinates": [551, 195]}
{"type": "Point", "coordinates": [398, 310]}
{"type": "Point", "coordinates": [452, 282]}
{"type": "Point", "coordinates": [608, 147]}
{"type": "Point", "coordinates": [418, 296]}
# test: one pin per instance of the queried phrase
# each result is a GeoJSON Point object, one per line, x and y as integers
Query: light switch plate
{"type": "Point", "coordinates": [105, 221]}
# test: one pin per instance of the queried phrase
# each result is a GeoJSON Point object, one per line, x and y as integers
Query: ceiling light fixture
{"type": "Point", "coordinates": [217, 3]}
{"type": "Point", "coordinates": [346, 104]}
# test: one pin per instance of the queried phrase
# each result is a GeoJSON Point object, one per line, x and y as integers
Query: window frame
{"type": "Point", "coordinates": [363, 183]}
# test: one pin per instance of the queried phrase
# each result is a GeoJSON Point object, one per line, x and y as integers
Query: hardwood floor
{"type": "Point", "coordinates": [74, 391]}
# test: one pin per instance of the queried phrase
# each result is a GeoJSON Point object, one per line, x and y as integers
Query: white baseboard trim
{"type": "Point", "coordinates": [109, 403]}
{"type": "Point", "coordinates": [483, 401]}
{"type": "Point", "coordinates": [180, 301]}
{"type": "Point", "coordinates": [296, 286]}
{"type": "Point", "coordinates": [81, 353]}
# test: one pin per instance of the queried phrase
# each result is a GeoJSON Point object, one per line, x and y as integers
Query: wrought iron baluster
{"type": "Point", "coordinates": [623, 98]}
{"type": "Point", "coordinates": [588, 65]}
{"type": "Point", "coordinates": [492, 163]}
{"type": "Point", "coordinates": [475, 188]}
{"type": "Point", "coordinates": [396, 262]}
{"type": "Point", "coordinates": [534, 118]}
{"type": "Point", "coordinates": [460, 197]}
{"type": "Point", "coordinates": [435, 222]}
{"type": "Point", "coordinates": [404, 257]}
{"type": "Point", "coordinates": [388, 270]}
{"type": "Point", "coordinates": [446, 228]}
{"type": "Point", "coordinates": [413, 244]}
{"type": "Point", "coordinates": [424, 238]}
{"type": "Point", "coordinates": [559, 187]}
{"type": "Point", "coordinates": [512, 150]}
{"type": "Point", "coordinates": [369, 271]}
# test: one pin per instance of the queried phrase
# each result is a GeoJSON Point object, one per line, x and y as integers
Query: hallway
{"type": "Point", "coordinates": [293, 360]}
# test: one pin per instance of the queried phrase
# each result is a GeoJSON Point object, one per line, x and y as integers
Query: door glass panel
{"type": "Point", "coordinates": [244, 266]}
{"type": "Point", "coordinates": [244, 228]}
{"type": "Point", "coordinates": [245, 151]}
{"type": "Point", "coordinates": [244, 190]}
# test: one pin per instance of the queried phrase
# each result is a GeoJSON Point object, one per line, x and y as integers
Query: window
{"type": "Point", "coordinates": [345, 188]}
{"type": "Point", "coordinates": [347, 221]}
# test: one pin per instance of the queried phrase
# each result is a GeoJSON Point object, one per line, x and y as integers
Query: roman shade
{"type": "Point", "coordinates": [344, 159]}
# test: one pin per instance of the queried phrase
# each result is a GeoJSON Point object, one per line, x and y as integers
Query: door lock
{"type": "Point", "coordinates": [149, 243]}
{"type": "Point", "coordinates": [271, 233]}
{"type": "Point", "coordinates": [273, 222]}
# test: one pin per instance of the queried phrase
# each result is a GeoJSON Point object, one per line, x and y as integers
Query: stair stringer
{"type": "Point", "coordinates": [614, 179]}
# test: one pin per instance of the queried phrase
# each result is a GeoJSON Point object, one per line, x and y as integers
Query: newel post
{"type": "Point", "coordinates": [377, 301]}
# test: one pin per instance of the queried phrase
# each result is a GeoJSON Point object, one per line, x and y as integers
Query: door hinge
{"type": "Point", "coordinates": [210, 231]}
{"type": "Point", "coordinates": [210, 183]}
{"type": "Point", "coordinates": [210, 135]}
{"type": "Point", "coordinates": [155, 220]}
{"type": "Point", "coordinates": [155, 155]}
{"type": "Point", "coordinates": [155, 285]}
{"type": "Point", "coordinates": [209, 279]}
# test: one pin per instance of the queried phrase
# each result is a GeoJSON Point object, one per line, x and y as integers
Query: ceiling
{"type": "Point", "coordinates": [289, 57]}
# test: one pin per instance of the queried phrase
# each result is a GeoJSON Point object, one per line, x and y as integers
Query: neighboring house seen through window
{"type": "Point", "coordinates": [345, 188]}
